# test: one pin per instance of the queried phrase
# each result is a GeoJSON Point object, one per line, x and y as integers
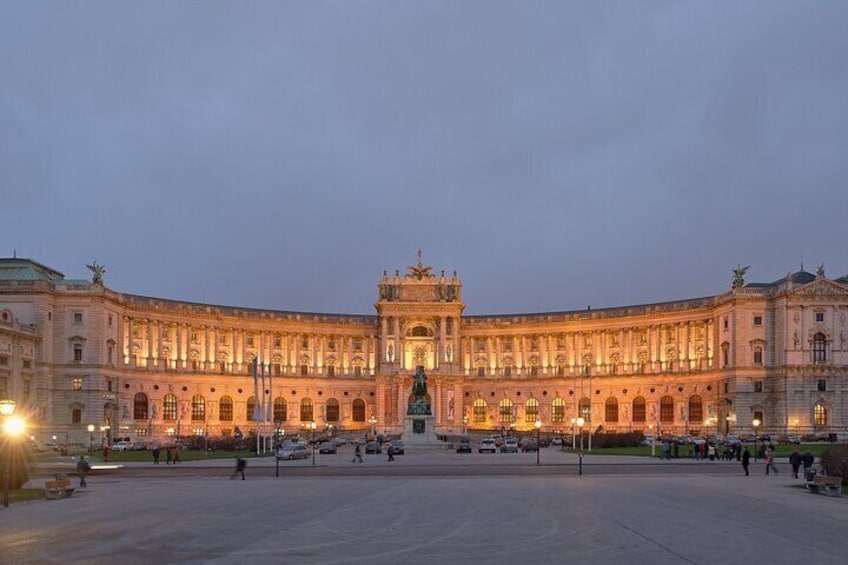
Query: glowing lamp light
{"type": "Point", "coordinates": [14, 426]}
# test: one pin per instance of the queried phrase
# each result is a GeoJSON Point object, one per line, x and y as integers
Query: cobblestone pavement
{"type": "Point", "coordinates": [668, 513]}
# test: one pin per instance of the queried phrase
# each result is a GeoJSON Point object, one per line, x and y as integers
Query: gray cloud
{"type": "Point", "coordinates": [556, 155]}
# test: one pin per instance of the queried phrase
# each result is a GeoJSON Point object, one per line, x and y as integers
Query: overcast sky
{"type": "Point", "coordinates": [281, 155]}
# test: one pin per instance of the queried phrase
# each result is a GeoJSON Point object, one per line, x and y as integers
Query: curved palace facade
{"type": "Point", "coordinates": [74, 353]}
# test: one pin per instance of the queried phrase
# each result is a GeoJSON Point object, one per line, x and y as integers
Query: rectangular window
{"type": "Point", "coordinates": [77, 352]}
{"type": "Point", "coordinates": [507, 345]}
{"type": "Point", "coordinates": [481, 371]}
{"type": "Point", "coordinates": [357, 345]}
{"type": "Point", "coordinates": [819, 316]}
{"type": "Point", "coordinates": [725, 323]}
{"type": "Point", "coordinates": [76, 415]}
{"type": "Point", "coordinates": [331, 370]}
{"type": "Point", "coordinates": [821, 385]}
{"type": "Point", "coordinates": [758, 357]}
{"type": "Point", "coordinates": [250, 341]}
{"type": "Point", "coordinates": [27, 387]}
{"type": "Point", "coordinates": [110, 320]}
{"type": "Point", "coordinates": [508, 371]}
{"type": "Point", "coordinates": [77, 317]}
{"type": "Point", "coordinates": [194, 337]}
{"type": "Point", "coordinates": [331, 345]}
{"type": "Point", "coordinates": [357, 371]}
{"type": "Point", "coordinates": [758, 386]}
{"type": "Point", "coordinates": [758, 320]}
{"type": "Point", "coordinates": [4, 361]}
{"type": "Point", "coordinates": [222, 339]}
{"type": "Point", "coordinates": [27, 364]}
{"type": "Point", "coordinates": [304, 370]}
{"type": "Point", "coordinates": [222, 366]}
{"type": "Point", "coordinates": [76, 383]}
{"type": "Point", "coordinates": [278, 342]}
{"type": "Point", "coordinates": [304, 343]}
{"type": "Point", "coordinates": [726, 388]}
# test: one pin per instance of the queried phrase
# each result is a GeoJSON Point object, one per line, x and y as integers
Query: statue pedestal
{"type": "Point", "coordinates": [420, 431]}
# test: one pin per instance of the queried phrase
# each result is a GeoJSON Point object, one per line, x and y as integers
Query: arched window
{"type": "Point", "coordinates": [666, 409]}
{"type": "Point", "coordinates": [306, 410]}
{"type": "Point", "coordinates": [531, 410]}
{"type": "Point", "coordinates": [505, 411]}
{"type": "Point", "coordinates": [420, 331]}
{"type": "Point", "coordinates": [639, 409]}
{"type": "Point", "coordinates": [696, 409]}
{"type": "Point", "coordinates": [358, 410]}
{"type": "Point", "coordinates": [251, 408]}
{"type": "Point", "coordinates": [225, 409]}
{"type": "Point", "coordinates": [479, 410]}
{"type": "Point", "coordinates": [820, 415]}
{"type": "Point", "coordinates": [169, 407]}
{"type": "Point", "coordinates": [332, 410]}
{"type": "Point", "coordinates": [140, 406]}
{"type": "Point", "coordinates": [585, 409]}
{"type": "Point", "coordinates": [280, 409]}
{"type": "Point", "coordinates": [198, 408]}
{"type": "Point", "coordinates": [558, 410]}
{"type": "Point", "coordinates": [611, 410]}
{"type": "Point", "coordinates": [819, 348]}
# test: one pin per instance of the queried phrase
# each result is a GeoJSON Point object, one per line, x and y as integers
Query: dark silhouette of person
{"type": "Point", "coordinates": [240, 465]}
{"type": "Point", "coordinates": [357, 454]}
{"type": "Point", "coordinates": [746, 460]}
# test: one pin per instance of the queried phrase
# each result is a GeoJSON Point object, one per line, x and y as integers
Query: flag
{"type": "Point", "coordinates": [269, 404]}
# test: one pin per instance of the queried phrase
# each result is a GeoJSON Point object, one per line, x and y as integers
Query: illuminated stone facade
{"type": "Point", "coordinates": [75, 353]}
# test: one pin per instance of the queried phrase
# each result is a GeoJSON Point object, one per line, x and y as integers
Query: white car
{"type": "Point", "coordinates": [487, 445]}
{"type": "Point", "coordinates": [121, 446]}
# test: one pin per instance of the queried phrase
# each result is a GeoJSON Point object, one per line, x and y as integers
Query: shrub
{"type": "Point", "coordinates": [19, 463]}
{"type": "Point", "coordinates": [629, 439]}
{"type": "Point", "coordinates": [834, 462]}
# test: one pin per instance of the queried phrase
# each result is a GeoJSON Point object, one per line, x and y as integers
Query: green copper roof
{"type": "Point", "coordinates": [27, 270]}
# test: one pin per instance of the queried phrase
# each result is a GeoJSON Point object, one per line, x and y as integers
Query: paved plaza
{"type": "Point", "coordinates": [622, 510]}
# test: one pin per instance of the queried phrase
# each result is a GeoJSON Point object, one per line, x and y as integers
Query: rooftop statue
{"type": "Point", "coordinates": [420, 271]}
{"type": "Point", "coordinates": [97, 272]}
{"type": "Point", "coordinates": [739, 276]}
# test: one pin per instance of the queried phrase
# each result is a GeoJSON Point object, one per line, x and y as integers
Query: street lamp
{"type": "Point", "coordinates": [90, 439]}
{"type": "Point", "coordinates": [573, 434]}
{"type": "Point", "coordinates": [580, 421]}
{"type": "Point", "coordinates": [373, 421]}
{"type": "Point", "coordinates": [464, 425]}
{"type": "Point", "coordinates": [313, 426]}
{"type": "Point", "coordinates": [756, 423]}
{"type": "Point", "coordinates": [538, 425]}
{"type": "Point", "coordinates": [12, 427]}
{"type": "Point", "coordinates": [653, 440]}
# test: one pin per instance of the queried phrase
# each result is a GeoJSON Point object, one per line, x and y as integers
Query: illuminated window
{"type": "Point", "coordinates": [76, 383]}
{"type": "Point", "coordinates": [280, 410]}
{"type": "Point", "coordinates": [505, 411]}
{"type": "Point", "coordinates": [820, 415]}
{"type": "Point", "coordinates": [169, 407]}
{"type": "Point", "coordinates": [225, 409]}
{"type": "Point", "coordinates": [479, 410]}
{"type": "Point", "coordinates": [198, 408]}
{"type": "Point", "coordinates": [584, 409]}
{"type": "Point", "coordinates": [558, 410]}
{"type": "Point", "coordinates": [531, 410]}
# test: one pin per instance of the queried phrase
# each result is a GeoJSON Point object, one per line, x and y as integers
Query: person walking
{"type": "Point", "coordinates": [391, 452]}
{"type": "Point", "coordinates": [795, 461]}
{"type": "Point", "coordinates": [770, 464]}
{"type": "Point", "coordinates": [167, 455]}
{"type": "Point", "coordinates": [83, 467]}
{"type": "Point", "coordinates": [175, 453]}
{"type": "Point", "coordinates": [105, 452]}
{"type": "Point", "coordinates": [240, 465]}
{"type": "Point", "coordinates": [357, 454]}
{"type": "Point", "coordinates": [746, 460]}
{"type": "Point", "coordinates": [807, 460]}
{"type": "Point", "coordinates": [156, 453]}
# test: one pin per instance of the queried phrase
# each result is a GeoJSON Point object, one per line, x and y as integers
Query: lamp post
{"type": "Point", "coordinates": [373, 421]}
{"type": "Point", "coordinates": [313, 426]}
{"type": "Point", "coordinates": [573, 434]}
{"type": "Point", "coordinates": [580, 421]}
{"type": "Point", "coordinates": [12, 427]}
{"type": "Point", "coordinates": [538, 425]}
{"type": "Point", "coordinates": [464, 425]}
{"type": "Point", "coordinates": [726, 426]}
{"type": "Point", "coordinates": [756, 423]}
{"type": "Point", "coordinates": [653, 440]}
{"type": "Point", "coordinates": [90, 439]}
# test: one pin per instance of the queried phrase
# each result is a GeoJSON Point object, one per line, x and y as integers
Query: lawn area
{"type": "Point", "coordinates": [22, 494]}
{"type": "Point", "coordinates": [147, 456]}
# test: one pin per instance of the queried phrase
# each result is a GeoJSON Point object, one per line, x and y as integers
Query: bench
{"type": "Point", "coordinates": [822, 484]}
{"type": "Point", "coordinates": [60, 488]}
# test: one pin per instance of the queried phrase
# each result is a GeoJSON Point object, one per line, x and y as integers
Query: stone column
{"type": "Point", "coordinates": [149, 343]}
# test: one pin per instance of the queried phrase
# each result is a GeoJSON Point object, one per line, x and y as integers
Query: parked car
{"type": "Point", "coordinates": [499, 440]}
{"type": "Point", "coordinates": [397, 446]}
{"type": "Point", "coordinates": [373, 447]}
{"type": "Point", "coordinates": [487, 445]}
{"type": "Point", "coordinates": [558, 442]}
{"type": "Point", "coordinates": [121, 446]}
{"type": "Point", "coordinates": [293, 451]}
{"type": "Point", "coordinates": [328, 447]}
{"type": "Point", "coordinates": [510, 445]}
{"type": "Point", "coordinates": [464, 446]}
{"type": "Point", "coordinates": [529, 445]}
